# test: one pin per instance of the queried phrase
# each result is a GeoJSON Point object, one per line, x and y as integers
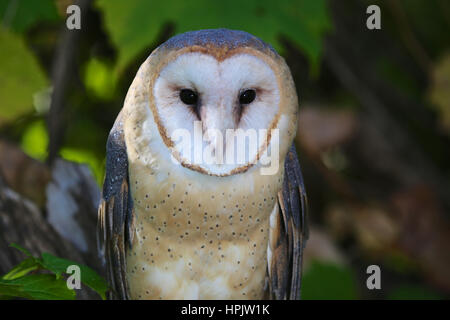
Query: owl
{"type": "Point", "coordinates": [203, 196]}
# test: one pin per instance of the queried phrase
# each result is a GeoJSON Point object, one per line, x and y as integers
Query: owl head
{"type": "Point", "coordinates": [223, 85]}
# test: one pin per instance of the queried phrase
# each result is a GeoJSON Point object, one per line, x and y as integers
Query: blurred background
{"type": "Point", "coordinates": [373, 137]}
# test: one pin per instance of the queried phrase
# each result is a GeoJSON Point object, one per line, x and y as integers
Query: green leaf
{"type": "Point", "coordinates": [100, 79]}
{"type": "Point", "coordinates": [35, 140]}
{"type": "Point", "coordinates": [19, 15]}
{"type": "Point", "coordinates": [328, 281]}
{"type": "Point", "coordinates": [134, 25]}
{"type": "Point", "coordinates": [20, 77]}
{"type": "Point", "coordinates": [54, 264]}
{"type": "Point", "coordinates": [88, 276]}
{"type": "Point", "coordinates": [22, 269]}
{"type": "Point", "coordinates": [37, 286]}
{"type": "Point", "coordinates": [21, 249]}
{"type": "Point", "coordinates": [412, 292]}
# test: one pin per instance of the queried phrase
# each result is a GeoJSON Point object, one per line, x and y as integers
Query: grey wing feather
{"type": "Point", "coordinates": [286, 266]}
{"type": "Point", "coordinates": [115, 213]}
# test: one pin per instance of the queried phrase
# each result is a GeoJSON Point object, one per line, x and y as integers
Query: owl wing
{"type": "Point", "coordinates": [115, 213]}
{"type": "Point", "coordinates": [288, 234]}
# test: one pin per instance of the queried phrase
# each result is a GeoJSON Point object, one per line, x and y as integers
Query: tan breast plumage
{"type": "Point", "coordinates": [193, 241]}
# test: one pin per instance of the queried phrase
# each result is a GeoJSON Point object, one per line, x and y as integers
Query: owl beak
{"type": "Point", "coordinates": [220, 117]}
{"type": "Point", "coordinates": [217, 119]}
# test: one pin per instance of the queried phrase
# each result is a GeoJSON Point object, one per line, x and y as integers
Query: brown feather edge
{"type": "Point", "coordinates": [292, 202]}
{"type": "Point", "coordinates": [115, 214]}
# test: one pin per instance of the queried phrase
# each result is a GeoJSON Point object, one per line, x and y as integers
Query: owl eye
{"type": "Point", "coordinates": [188, 96]}
{"type": "Point", "coordinates": [247, 96]}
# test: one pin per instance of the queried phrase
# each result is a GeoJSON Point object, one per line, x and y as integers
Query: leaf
{"type": "Point", "coordinates": [37, 286]}
{"type": "Point", "coordinates": [19, 15]}
{"type": "Point", "coordinates": [22, 249]}
{"type": "Point", "coordinates": [100, 79]}
{"type": "Point", "coordinates": [20, 77]}
{"type": "Point", "coordinates": [54, 264]}
{"type": "Point", "coordinates": [35, 140]}
{"type": "Point", "coordinates": [413, 292]}
{"type": "Point", "coordinates": [22, 269]}
{"type": "Point", "coordinates": [134, 25]}
{"type": "Point", "coordinates": [88, 276]}
{"type": "Point", "coordinates": [328, 281]}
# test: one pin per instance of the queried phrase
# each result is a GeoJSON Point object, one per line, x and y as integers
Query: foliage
{"type": "Point", "coordinates": [36, 287]}
{"type": "Point", "coordinates": [20, 76]}
{"type": "Point", "coordinates": [34, 143]}
{"type": "Point", "coordinates": [99, 79]}
{"type": "Point", "coordinates": [35, 140]}
{"type": "Point", "coordinates": [21, 15]}
{"type": "Point", "coordinates": [412, 292]}
{"type": "Point", "coordinates": [328, 281]}
{"type": "Point", "coordinates": [22, 281]}
{"type": "Point", "coordinates": [134, 25]}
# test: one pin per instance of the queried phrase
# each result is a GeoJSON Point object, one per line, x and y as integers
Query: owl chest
{"type": "Point", "coordinates": [196, 242]}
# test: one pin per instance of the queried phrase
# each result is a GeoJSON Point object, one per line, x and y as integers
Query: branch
{"type": "Point", "coordinates": [63, 71]}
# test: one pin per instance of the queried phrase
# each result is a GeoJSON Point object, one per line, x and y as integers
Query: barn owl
{"type": "Point", "coordinates": [174, 226]}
